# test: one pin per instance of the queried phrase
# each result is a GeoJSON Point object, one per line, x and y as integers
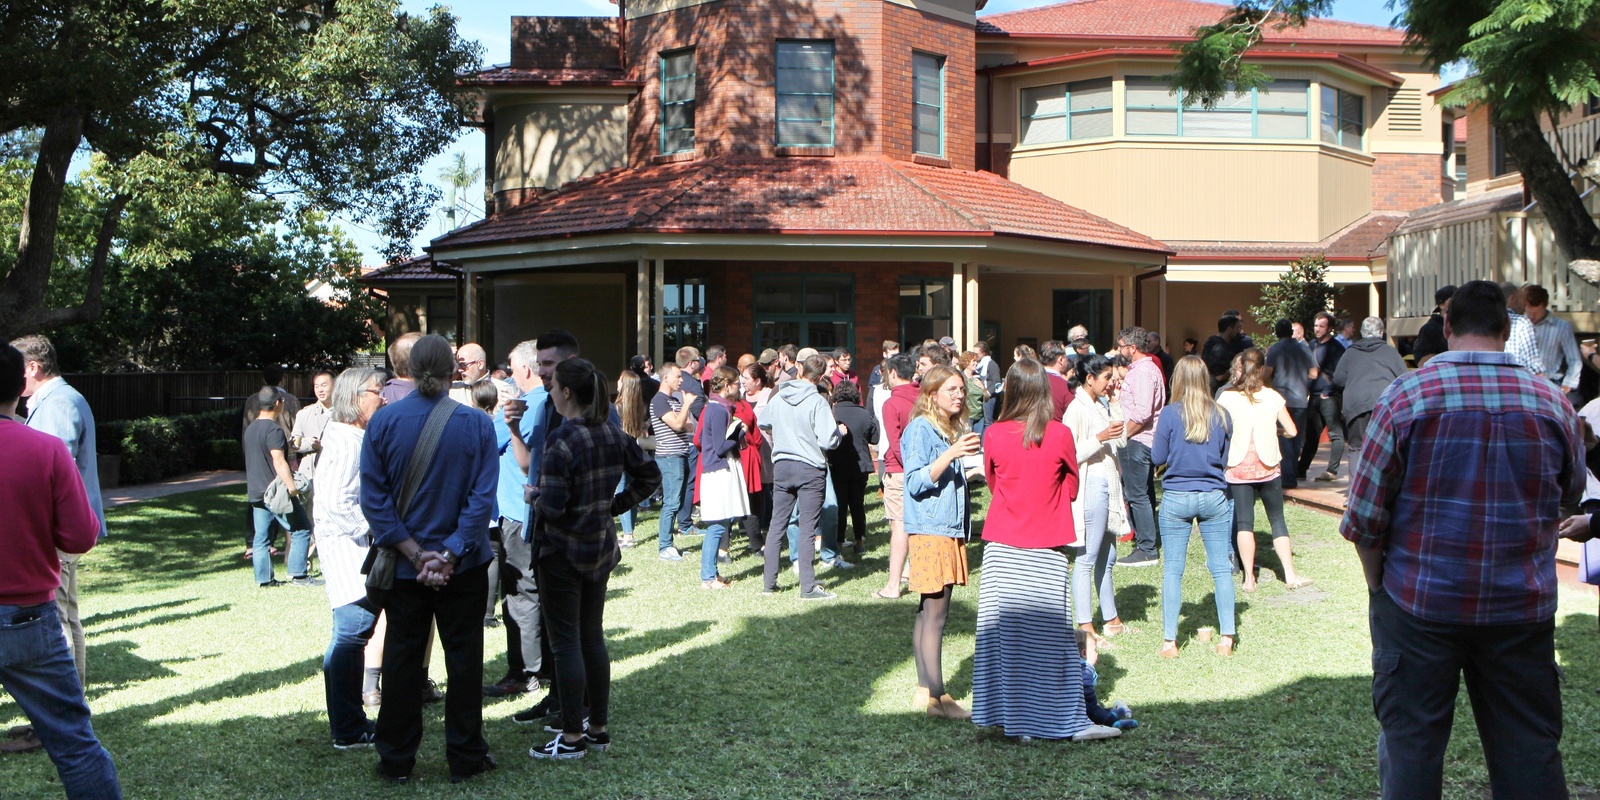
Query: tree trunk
{"type": "Point", "coordinates": [22, 293]}
{"type": "Point", "coordinates": [94, 292]}
{"type": "Point", "coordinates": [1575, 230]}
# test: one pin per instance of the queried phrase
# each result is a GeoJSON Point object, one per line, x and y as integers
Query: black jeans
{"type": "Point", "coordinates": [794, 483]}
{"type": "Point", "coordinates": [1511, 681]}
{"type": "Point", "coordinates": [850, 489]}
{"type": "Point", "coordinates": [1290, 449]}
{"type": "Point", "coordinates": [1323, 413]}
{"type": "Point", "coordinates": [457, 610]}
{"type": "Point", "coordinates": [574, 612]}
{"type": "Point", "coordinates": [1139, 489]}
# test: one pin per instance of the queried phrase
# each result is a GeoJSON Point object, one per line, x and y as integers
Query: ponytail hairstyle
{"type": "Point", "coordinates": [588, 386]}
{"type": "Point", "coordinates": [1252, 366]}
{"type": "Point", "coordinates": [433, 365]}
{"type": "Point", "coordinates": [1087, 367]}
{"type": "Point", "coordinates": [721, 378]}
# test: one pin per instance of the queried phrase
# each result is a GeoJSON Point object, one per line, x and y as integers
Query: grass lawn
{"type": "Point", "coordinates": [204, 686]}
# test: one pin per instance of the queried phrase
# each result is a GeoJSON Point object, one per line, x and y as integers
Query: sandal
{"type": "Point", "coordinates": [1225, 647]}
{"type": "Point", "coordinates": [1168, 650]}
{"type": "Point", "coordinates": [879, 594]}
{"type": "Point", "coordinates": [716, 583]}
{"type": "Point", "coordinates": [1298, 583]}
{"type": "Point", "coordinates": [1117, 629]}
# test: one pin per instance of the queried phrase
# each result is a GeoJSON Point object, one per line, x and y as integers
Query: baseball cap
{"type": "Point", "coordinates": [947, 342]}
{"type": "Point", "coordinates": [767, 356]}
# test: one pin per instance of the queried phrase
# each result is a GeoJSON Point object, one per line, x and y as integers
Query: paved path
{"type": "Point", "coordinates": [193, 482]}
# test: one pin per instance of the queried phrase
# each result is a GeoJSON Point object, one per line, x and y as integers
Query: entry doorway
{"type": "Point", "coordinates": [1091, 308]}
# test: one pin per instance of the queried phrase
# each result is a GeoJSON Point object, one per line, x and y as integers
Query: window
{"type": "Point", "coordinates": [1343, 118]}
{"type": "Point", "coordinates": [1504, 162]}
{"type": "Point", "coordinates": [1591, 107]}
{"type": "Point", "coordinates": [1278, 110]}
{"type": "Point", "coordinates": [924, 309]}
{"type": "Point", "coordinates": [1066, 111]}
{"type": "Point", "coordinates": [683, 314]}
{"type": "Point", "coordinates": [805, 309]}
{"type": "Point", "coordinates": [442, 316]}
{"type": "Point", "coordinates": [805, 94]}
{"type": "Point", "coordinates": [927, 104]}
{"type": "Point", "coordinates": [1091, 308]}
{"type": "Point", "coordinates": [677, 102]}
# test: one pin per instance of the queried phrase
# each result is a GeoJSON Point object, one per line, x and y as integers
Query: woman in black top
{"type": "Point", "coordinates": [851, 461]}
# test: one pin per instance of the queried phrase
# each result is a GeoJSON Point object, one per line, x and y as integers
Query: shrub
{"type": "Point", "coordinates": [155, 448]}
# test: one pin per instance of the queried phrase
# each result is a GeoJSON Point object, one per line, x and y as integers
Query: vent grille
{"type": "Point", "coordinates": [1405, 110]}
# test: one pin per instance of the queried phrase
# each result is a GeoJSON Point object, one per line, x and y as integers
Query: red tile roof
{"type": "Point", "coordinates": [416, 268]}
{"type": "Point", "coordinates": [836, 196]}
{"type": "Point", "coordinates": [507, 76]}
{"type": "Point", "coordinates": [1164, 19]}
{"type": "Point", "coordinates": [560, 42]}
{"type": "Point", "coordinates": [1362, 240]}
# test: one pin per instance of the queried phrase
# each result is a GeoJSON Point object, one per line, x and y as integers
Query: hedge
{"type": "Point", "coordinates": [155, 448]}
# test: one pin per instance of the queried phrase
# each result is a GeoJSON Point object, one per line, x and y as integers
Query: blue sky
{"type": "Point", "coordinates": [489, 22]}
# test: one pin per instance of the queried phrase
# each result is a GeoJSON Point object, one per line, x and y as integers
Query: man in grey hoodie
{"type": "Point", "coordinates": [1364, 372]}
{"type": "Point", "coordinates": [802, 428]}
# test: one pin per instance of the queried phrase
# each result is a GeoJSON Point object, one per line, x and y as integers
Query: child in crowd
{"type": "Point", "coordinates": [1119, 715]}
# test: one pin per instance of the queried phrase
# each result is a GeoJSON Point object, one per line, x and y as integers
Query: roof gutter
{"type": "Point", "coordinates": [1337, 60]}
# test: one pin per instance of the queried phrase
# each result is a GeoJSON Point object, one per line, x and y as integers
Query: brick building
{"type": "Point", "coordinates": [839, 172]}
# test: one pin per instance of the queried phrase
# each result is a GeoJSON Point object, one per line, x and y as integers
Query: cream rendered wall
{"type": "Point", "coordinates": [544, 145]}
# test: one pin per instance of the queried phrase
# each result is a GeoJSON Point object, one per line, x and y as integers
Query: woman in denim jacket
{"type": "Point", "coordinates": [937, 520]}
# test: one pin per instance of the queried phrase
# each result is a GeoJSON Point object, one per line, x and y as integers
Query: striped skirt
{"type": "Point", "coordinates": [1027, 676]}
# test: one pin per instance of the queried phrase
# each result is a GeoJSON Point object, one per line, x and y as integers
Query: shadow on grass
{"type": "Point", "coordinates": [164, 619]}
{"type": "Point", "coordinates": [96, 620]}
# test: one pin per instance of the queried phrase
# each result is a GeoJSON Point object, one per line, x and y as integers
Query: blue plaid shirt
{"type": "Point", "coordinates": [1460, 482]}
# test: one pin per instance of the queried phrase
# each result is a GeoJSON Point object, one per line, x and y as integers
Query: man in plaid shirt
{"type": "Point", "coordinates": [1454, 510]}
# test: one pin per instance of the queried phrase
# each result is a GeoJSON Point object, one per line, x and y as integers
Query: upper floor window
{"type": "Point", "coordinates": [805, 94]}
{"type": "Point", "coordinates": [1505, 162]}
{"type": "Point", "coordinates": [1343, 117]}
{"type": "Point", "coordinates": [677, 102]}
{"type": "Point", "coordinates": [1278, 110]}
{"type": "Point", "coordinates": [1591, 107]}
{"type": "Point", "coordinates": [1065, 111]}
{"type": "Point", "coordinates": [927, 104]}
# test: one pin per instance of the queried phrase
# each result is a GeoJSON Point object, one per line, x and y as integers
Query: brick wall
{"type": "Point", "coordinates": [1405, 182]}
{"type": "Point", "coordinates": [563, 42]}
{"type": "Point", "coordinates": [735, 54]}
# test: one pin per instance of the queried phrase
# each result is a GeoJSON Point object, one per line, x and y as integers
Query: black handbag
{"type": "Point", "coordinates": [382, 562]}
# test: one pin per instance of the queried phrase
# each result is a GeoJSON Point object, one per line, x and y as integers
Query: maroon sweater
{"type": "Point", "coordinates": [45, 509]}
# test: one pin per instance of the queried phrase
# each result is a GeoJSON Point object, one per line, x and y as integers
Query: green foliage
{"type": "Point", "coordinates": [156, 448]}
{"type": "Point", "coordinates": [1212, 64]}
{"type": "Point", "coordinates": [1299, 295]}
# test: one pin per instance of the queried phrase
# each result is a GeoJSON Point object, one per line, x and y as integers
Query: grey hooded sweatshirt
{"type": "Point", "coordinates": [802, 424]}
{"type": "Point", "coordinates": [1364, 372]}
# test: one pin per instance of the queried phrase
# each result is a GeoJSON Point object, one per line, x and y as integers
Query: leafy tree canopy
{"type": "Point", "coordinates": [1299, 295]}
{"type": "Point", "coordinates": [327, 105]}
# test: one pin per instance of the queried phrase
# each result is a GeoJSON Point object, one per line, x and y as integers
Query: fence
{"type": "Point", "coordinates": [134, 395]}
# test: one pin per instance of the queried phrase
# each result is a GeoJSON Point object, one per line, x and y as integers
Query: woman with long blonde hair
{"type": "Point", "coordinates": [937, 521]}
{"type": "Point", "coordinates": [1254, 463]}
{"type": "Point", "coordinates": [634, 412]}
{"type": "Point", "coordinates": [1192, 438]}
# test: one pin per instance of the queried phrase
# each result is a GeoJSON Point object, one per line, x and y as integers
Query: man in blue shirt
{"type": "Point", "coordinates": [54, 407]}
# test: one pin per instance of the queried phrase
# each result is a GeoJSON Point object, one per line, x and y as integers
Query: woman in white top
{"type": "Point", "coordinates": [342, 542]}
{"type": "Point", "coordinates": [1254, 463]}
{"type": "Point", "coordinates": [1098, 512]}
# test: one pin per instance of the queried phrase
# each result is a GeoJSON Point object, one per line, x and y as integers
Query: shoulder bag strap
{"type": "Point", "coordinates": [422, 455]}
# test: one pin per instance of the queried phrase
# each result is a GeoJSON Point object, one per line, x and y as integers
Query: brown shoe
{"type": "Point", "coordinates": [26, 743]}
{"type": "Point", "coordinates": [919, 700]}
{"type": "Point", "coordinates": [1168, 650]}
{"type": "Point", "coordinates": [951, 709]}
{"type": "Point", "coordinates": [1225, 647]}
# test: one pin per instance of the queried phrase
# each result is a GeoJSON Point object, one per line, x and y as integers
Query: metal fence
{"type": "Point", "coordinates": [133, 395]}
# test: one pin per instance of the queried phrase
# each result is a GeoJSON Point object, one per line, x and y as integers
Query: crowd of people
{"type": "Point", "coordinates": [447, 488]}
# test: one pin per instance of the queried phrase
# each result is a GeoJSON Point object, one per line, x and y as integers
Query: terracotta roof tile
{"type": "Point", "coordinates": [1164, 19]}
{"type": "Point", "coordinates": [416, 268]}
{"type": "Point", "coordinates": [508, 76]}
{"type": "Point", "coordinates": [1362, 240]}
{"type": "Point", "coordinates": [841, 196]}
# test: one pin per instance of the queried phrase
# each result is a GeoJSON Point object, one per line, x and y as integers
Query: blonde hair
{"type": "Point", "coordinates": [928, 403]}
{"type": "Point", "coordinates": [1191, 389]}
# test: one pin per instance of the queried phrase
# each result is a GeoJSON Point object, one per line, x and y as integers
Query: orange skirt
{"type": "Point", "coordinates": [936, 562]}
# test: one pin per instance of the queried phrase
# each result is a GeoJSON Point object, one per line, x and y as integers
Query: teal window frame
{"type": "Point", "coordinates": [802, 317]}
{"type": "Point", "coordinates": [667, 83]}
{"type": "Point", "coordinates": [937, 325]}
{"type": "Point", "coordinates": [1255, 111]}
{"type": "Point", "coordinates": [919, 63]}
{"type": "Point", "coordinates": [1340, 118]}
{"type": "Point", "coordinates": [778, 86]}
{"type": "Point", "coordinates": [1067, 112]}
{"type": "Point", "coordinates": [687, 321]}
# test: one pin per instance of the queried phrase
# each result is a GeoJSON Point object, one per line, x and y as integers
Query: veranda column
{"type": "Point", "coordinates": [1372, 301]}
{"type": "Point", "coordinates": [974, 329]}
{"type": "Point", "coordinates": [958, 315]}
{"type": "Point", "coordinates": [641, 306]}
{"type": "Point", "coordinates": [468, 323]}
{"type": "Point", "coordinates": [657, 331]}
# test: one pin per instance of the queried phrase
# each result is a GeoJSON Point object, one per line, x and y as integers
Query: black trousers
{"type": "Point", "coordinates": [1290, 449]}
{"type": "Point", "coordinates": [1323, 413]}
{"type": "Point", "coordinates": [1510, 671]}
{"type": "Point", "coordinates": [574, 613]}
{"type": "Point", "coordinates": [850, 489]}
{"type": "Point", "coordinates": [457, 609]}
{"type": "Point", "coordinates": [794, 484]}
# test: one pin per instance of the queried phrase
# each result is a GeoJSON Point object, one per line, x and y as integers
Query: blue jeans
{"type": "Point", "coordinates": [674, 474]}
{"type": "Point", "coordinates": [828, 526]}
{"type": "Point", "coordinates": [627, 516]}
{"type": "Point", "coordinates": [690, 477]}
{"type": "Point", "coordinates": [1095, 555]}
{"type": "Point", "coordinates": [1214, 511]}
{"type": "Point", "coordinates": [36, 668]}
{"type": "Point", "coordinates": [716, 533]}
{"type": "Point", "coordinates": [342, 669]}
{"type": "Point", "coordinates": [299, 540]}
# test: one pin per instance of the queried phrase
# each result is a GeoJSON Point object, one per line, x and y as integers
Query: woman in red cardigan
{"type": "Point", "coordinates": [1027, 676]}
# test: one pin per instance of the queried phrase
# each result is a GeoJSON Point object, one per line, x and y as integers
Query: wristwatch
{"type": "Point", "coordinates": [454, 559]}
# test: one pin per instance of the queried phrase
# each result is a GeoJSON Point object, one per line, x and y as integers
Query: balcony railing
{"type": "Point", "coordinates": [1574, 143]}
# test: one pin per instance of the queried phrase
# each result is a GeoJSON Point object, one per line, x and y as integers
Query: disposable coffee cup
{"type": "Point", "coordinates": [516, 407]}
{"type": "Point", "coordinates": [1204, 634]}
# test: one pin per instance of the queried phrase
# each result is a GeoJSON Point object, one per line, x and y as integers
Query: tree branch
{"type": "Point", "coordinates": [93, 304]}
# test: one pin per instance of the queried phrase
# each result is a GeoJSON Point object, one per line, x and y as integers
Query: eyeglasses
{"type": "Point", "coordinates": [378, 392]}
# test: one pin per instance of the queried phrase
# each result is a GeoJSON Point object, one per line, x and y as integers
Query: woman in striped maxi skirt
{"type": "Point", "coordinates": [1027, 674]}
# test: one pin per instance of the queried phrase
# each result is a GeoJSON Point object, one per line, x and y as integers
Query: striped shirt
{"type": "Point", "coordinates": [1466, 463]}
{"type": "Point", "coordinates": [1558, 349]}
{"type": "Point", "coordinates": [668, 441]}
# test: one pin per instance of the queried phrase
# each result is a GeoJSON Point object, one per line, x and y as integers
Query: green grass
{"type": "Point", "coordinates": [205, 687]}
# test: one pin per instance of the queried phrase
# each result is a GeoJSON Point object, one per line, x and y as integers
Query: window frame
{"type": "Point", "coordinates": [1255, 111]}
{"type": "Point", "coordinates": [1067, 112]}
{"type": "Point", "coordinates": [924, 299]}
{"type": "Point", "coordinates": [664, 102]}
{"type": "Point", "coordinates": [802, 318]}
{"type": "Point", "coordinates": [1340, 120]}
{"type": "Point", "coordinates": [680, 326]}
{"type": "Point", "coordinates": [939, 65]}
{"type": "Point", "coordinates": [778, 92]}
